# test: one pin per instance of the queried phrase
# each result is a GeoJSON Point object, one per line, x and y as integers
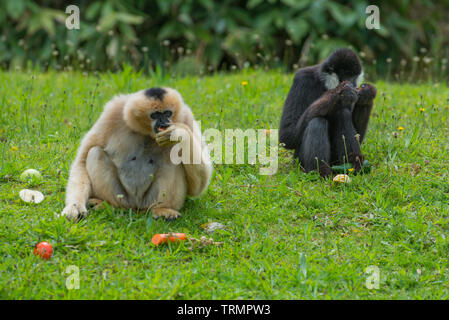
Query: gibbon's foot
{"type": "Point", "coordinates": [163, 137]}
{"type": "Point", "coordinates": [358, 163]}
{"type": "Point", "coordinates": [166, 213]}
{"type": "Point", "coordinates": [74, 212]}
{"type": "Point", "coordinates": [325, 171]}
{"type": "Point", "coordinates": [94, 203]}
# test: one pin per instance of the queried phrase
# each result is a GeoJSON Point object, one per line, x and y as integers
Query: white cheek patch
{"type": "Point", "coordinates": [152, 123]}
{"type": "Point", "coordinates": [359, 79]}
{"type": "Point", "coordinates": [330, 80]}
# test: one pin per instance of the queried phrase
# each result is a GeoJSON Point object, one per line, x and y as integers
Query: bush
{"type": "Point", "coordinates": [204, 35]}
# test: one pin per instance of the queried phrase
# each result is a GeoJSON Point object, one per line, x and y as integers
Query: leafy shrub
{"type": "Point", "coordinates": [204, 35]}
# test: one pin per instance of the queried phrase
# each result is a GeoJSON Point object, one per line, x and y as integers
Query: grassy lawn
{"type": "Point", "coordinates": [288, 236]}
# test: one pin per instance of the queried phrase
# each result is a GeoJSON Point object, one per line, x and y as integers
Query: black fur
{"type": "Point", "coordinates": [362, 112]}
{"type": "Point", "coordinates": [156, 93]}
{"type": "Point", "coordinates": [342, 133]}
{"type": "Point", "coordinates": [344, 62]}
{"type": "Point", "coordinates": [316, 138]}
{"type": "Point", "coordinates": [315, 118]}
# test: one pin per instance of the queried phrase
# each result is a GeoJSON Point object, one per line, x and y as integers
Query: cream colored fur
{"type": "Point", "coordinates": [102, 169]}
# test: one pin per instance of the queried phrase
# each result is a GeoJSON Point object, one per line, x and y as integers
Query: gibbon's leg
{"type": "Point", "coordinates": [199, 167]}
{"type": "Point", "coordinates": [315, 151]}
{"type": "Point", "coordinates": [313, 128]}
{"type": "Point", "coordinates": [104, 178]}
{"type": "Point", "coordinates": [312, 132]}
{"type": "Point", "coordinates": [78, 192]}
{"type": "Point", "coordinates": [360, 118]}
{"type": "Point", "coordinates": [361, 114]}
{"type": "Point", "coordinates": [198, 174]}
{"type": "Point", "coordinates": [78, 188]}
{"type": "Point", "coordinates": [167, 193]}
{"type": "Point", "coordinates": [322, 107]}
{"type": "Point", "coordinates": [344, 144]}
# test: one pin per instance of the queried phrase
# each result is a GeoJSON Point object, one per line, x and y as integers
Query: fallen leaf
{"type": "Point", "coordinates": [415, 169]}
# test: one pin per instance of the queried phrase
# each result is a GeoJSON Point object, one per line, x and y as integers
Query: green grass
{"type": "Point", "coordinates": [288, 236]}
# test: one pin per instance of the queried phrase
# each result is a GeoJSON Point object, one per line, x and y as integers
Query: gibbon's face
{"type": "Point", "coordinates": [161, 120]}
{"type": "Point", "coordinates": [342, 65]}
{"type": "Point", "coordinates": [153, 110]}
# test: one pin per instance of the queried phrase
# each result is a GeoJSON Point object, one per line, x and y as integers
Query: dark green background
{"type": "Point", "coordinates": [202, 36]}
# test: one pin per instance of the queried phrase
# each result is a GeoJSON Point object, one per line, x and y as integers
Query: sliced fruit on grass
{"type": "Point", "coordinates": [31, 196]}
{"type": "Point", "coordinates": [31, 174]}
{"type": "Point", "coordinates": [342, 178]}
{"type": "Point", "coordinates": [161, 238]}
{"type": "Point", "coordinates": [366, 167]}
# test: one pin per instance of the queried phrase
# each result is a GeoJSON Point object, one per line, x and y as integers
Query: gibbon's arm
{"type": "Point", "coordinates": [79, 185]}
{"type": "Point", "coordinates": [361, 115]}
{"type": "Point", "coordinates": [198, 175]}
{"type": "Point", "coordinates": [294, 107]}
{"type": "Point", "coordinates": [323, 107]}
{"type": "Point", "coordinates": [305, 90]}
{"type": "Point", "coordinates": [320, 108]}
{"type": "Point", "coordinates": [360, 118]}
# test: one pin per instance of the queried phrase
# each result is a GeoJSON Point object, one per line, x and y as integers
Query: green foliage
{"type": "Point", "coordinates": [288, 236]}
{"type": "Point", "coordinates": [205, 35]}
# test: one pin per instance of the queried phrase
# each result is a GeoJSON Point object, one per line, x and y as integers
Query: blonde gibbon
{"type": "Point", "coordinates": [125, 158]}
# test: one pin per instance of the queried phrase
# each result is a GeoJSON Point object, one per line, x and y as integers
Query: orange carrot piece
{"type": "Point", "coordinates": [160, 238]}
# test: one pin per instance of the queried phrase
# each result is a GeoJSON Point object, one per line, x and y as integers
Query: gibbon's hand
{"type": "Point", "coordinates": [366, 93]}
{"type": "Point", "coordinates": [341, 86]}
{"type": "Point", "coordinates": [348, 95]}
{"type": "Point", "coordinates": [163, 138]}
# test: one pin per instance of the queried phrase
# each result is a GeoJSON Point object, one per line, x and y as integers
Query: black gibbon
{"type": "Point", "coordinates": [324, 111]}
